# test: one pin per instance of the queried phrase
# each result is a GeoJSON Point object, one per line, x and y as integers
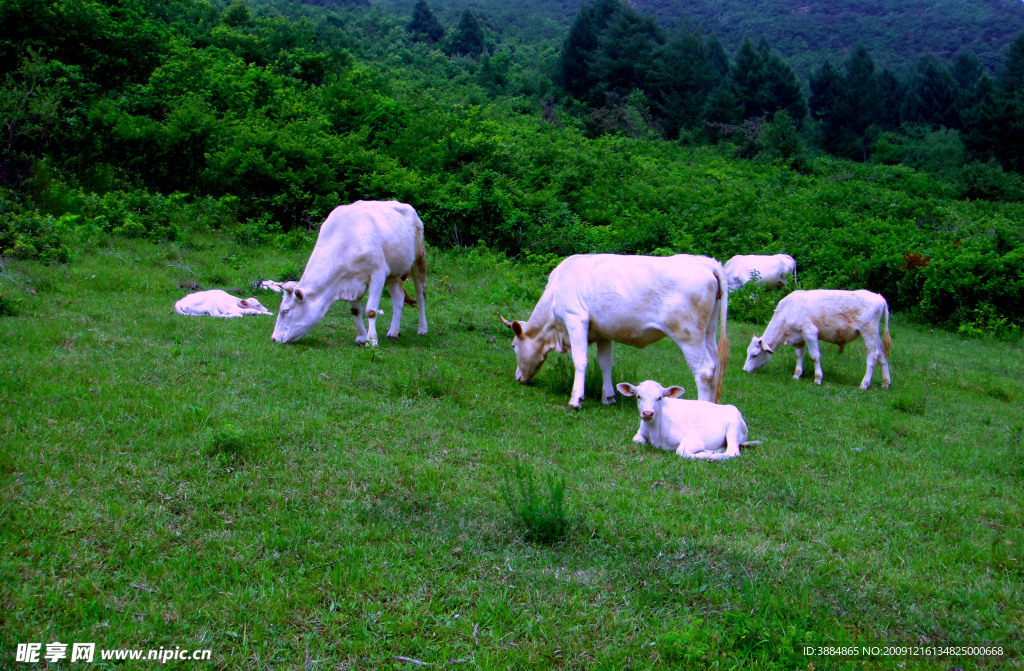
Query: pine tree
{"type": "Point", "coordinates": [1011, 108]}
{"type": "Point", "coordinates": [424, 26]}
{"type": "Point", "coordinates": [931, 97]}
{"type": "Point", "coordinates": [682, 81]}
{"type": "Point", "coordinates": [826, 84]}
{"type": "Point", "coordinates": [781, 91]}
{"type": "Point", "coordinates": [859, 109]}
{"type": "Point", "coordinates": [573, 72]}
{"type": "Point", "coordinates": [468, 39]}
{"type": "Point", "coordinates": [748, 77]}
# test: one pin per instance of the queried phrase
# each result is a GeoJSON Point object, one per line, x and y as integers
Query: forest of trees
{"type": "Point", "coordinates": [153, 118]}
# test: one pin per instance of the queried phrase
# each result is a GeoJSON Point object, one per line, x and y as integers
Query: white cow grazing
{"type": "Point", "coordinates": [635, 300]}
{"type": "Point", "coordinates": [805, 317]}
{"type": "Point", "coordinates": [362, 248]}
{"type": "Point", "coordinates": [771, 270]}
{"type": "Point", "coordinates": [217, 303]}
{"type": "Point", "coordinates": [691, 429]}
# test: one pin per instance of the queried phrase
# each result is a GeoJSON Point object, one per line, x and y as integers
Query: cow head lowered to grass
{"type": "Point", "coordinates": [362, 248]}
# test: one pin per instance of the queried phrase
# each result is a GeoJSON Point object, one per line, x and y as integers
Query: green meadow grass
{"type": "Point", "coordinates": [184, 481]}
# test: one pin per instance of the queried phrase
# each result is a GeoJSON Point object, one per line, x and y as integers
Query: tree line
{"type": "Point", "coordinates": [156, 118]}
{"type": "Point", "coordinates": [686, 82]}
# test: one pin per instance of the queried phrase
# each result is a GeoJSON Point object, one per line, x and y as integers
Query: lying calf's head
{"type": "Point", "coordinates": [252, 306]}
{"type": "Point", "coordinates": [649, 395]}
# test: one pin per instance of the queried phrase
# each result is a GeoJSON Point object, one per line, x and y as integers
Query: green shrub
{"type": "Point", "coordinates": [541, 514]}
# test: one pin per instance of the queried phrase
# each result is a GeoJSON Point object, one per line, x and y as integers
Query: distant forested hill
{"type": "Point", "coordinates": [804, 32]}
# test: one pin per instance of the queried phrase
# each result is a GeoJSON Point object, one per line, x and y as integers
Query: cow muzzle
{"type": "Point", "coordinates": [647, 415]}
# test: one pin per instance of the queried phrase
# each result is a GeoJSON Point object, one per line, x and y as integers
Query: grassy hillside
{"type": "Point", "coordinates": [174, 481]}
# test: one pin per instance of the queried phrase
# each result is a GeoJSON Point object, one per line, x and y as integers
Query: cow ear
{"type": "Point", "coordinates": [674, 392]}
{"type": "Point", "coordinates": [766, 348]}
{"type": "Point", "coordinates": [298, 294]}
{"type": "Point", "coordinates": [242, 303]}
{"type": "Point", "coordinates": [517, 328]}
{"type": "Point", "coordinates": [626, 389]}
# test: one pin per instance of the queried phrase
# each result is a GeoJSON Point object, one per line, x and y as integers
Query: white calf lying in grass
{"type": "Point", "coordinates": [217, 303]}
{"type": "Point", "coordinates": [693, 429]}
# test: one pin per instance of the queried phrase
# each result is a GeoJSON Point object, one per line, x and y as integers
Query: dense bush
{"type": "Point", "coordinates": [256, 124]}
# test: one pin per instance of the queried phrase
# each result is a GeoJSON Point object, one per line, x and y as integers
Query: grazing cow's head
{"type": "Point", "coordinates": [758, 354]}
{"type": "Point", "coordinates": [253, 306]}
{"type": "Point", "coordinates": [300, 311]}
{"type": "Point", "coordinates": [649, 395]}
{"type": "Point", "coordinates": [531, 350]}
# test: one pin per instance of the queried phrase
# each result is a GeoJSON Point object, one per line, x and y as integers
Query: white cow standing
{"type": "Point", "coordinates": [771, 270]}
{"type": "Point", "coordinates": [634, 300]}
{"type": "Point", "coordinates": [805, 317]}
{"type": "Point", "coordinates": [691, 429]}
{"type": "Point", "coordinates": [217, 303]}
{"type": "Point", "coordinates": [362, 248]}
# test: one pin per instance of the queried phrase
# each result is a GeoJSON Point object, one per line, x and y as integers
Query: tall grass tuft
{"type": "Point", "coordinates": [542, 514]}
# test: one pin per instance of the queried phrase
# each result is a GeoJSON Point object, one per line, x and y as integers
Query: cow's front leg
{"type": "Point", "coordinates": [373, 294]}
{"type": "Point", "coordinates": [641, 435]}
{"type": "Point", "coordinates": [578, 343]}
{"type": "Point", "coordinates": [690, 448]}
{"type": "Point", "coordinates": [397, 303]}
{"type": "Point", "coordinates": [799, 350]}
{"type": "Point", "coordinates": [815, 353]}
{"type": "Point", "coordinates": [604, 360]}
{"type": "Point", "coordinates": [357, 315]}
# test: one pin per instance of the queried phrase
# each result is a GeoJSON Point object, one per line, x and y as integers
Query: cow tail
{"type": "Point", "coordinates": [419, 264]}
{"type": "Point", "coordinates": [723, 342]}
{"type": "Point", "coordinates": [886, 338]}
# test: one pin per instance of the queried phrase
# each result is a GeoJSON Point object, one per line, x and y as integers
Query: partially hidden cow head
{"type": "Point", "coordinates": [649, 394]}
{"type": "Point", "coordinates": [758, 354]}
{"type": "Point", "coordinates": [301, 309]}
{"type": "Point", "coordinates": [531, 348]}
{"type": "Point", "coordinates": [251, 306]}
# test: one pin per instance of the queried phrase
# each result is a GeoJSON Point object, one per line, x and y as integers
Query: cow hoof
{"type": "Point", "coordinates": [864, 387]}
{"type": "Point", "coordinates": [576, 405]}
{"type": "Point", "coordinates": [392, 337]}
{"type": "Point", "coordinates": [609, 400]}
{"type": "Point", "coordinates": [421, 332]}
{"type": "Point", "coordinates": [885, 385]}
{"type": "Point", "coordinates": [818, 382]}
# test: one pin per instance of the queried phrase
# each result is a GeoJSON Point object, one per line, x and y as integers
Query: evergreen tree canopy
{"type": "Point", "coordinates": [468, 39]}
{"type": "Point", "coordinates": [424, 26]}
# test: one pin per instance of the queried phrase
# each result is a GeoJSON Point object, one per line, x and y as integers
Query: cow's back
{"type": "Point", "coordinates": [635, 299]}
{"type": "Point", "coordinates": [839, 316]}
{"type": "Point", "coordinates": [359, 236]}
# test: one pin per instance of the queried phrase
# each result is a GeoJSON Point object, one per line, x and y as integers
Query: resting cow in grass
{"type": "Point", "coordinates": [805, 317]}
{"type": "Point", "coordinates": [770, 270]}
{"type": "Point", "coordinates": [691, 429]}
{"type": "Point", "coordinates": [217, 303]}
{"type": "Point", "coordinates": [362, 248]}
{"type": "Point", "coordinates": [635, 300]}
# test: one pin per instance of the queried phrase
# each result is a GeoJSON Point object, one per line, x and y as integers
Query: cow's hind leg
{"type": "Point", "coordinates": [702, 364]}
{"type": "Point", "coordinates": [604, 360]}
{"type": "Point", "coordinates": [873, 344]}
{"type": "Point", "coordinates": [397, 303]}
